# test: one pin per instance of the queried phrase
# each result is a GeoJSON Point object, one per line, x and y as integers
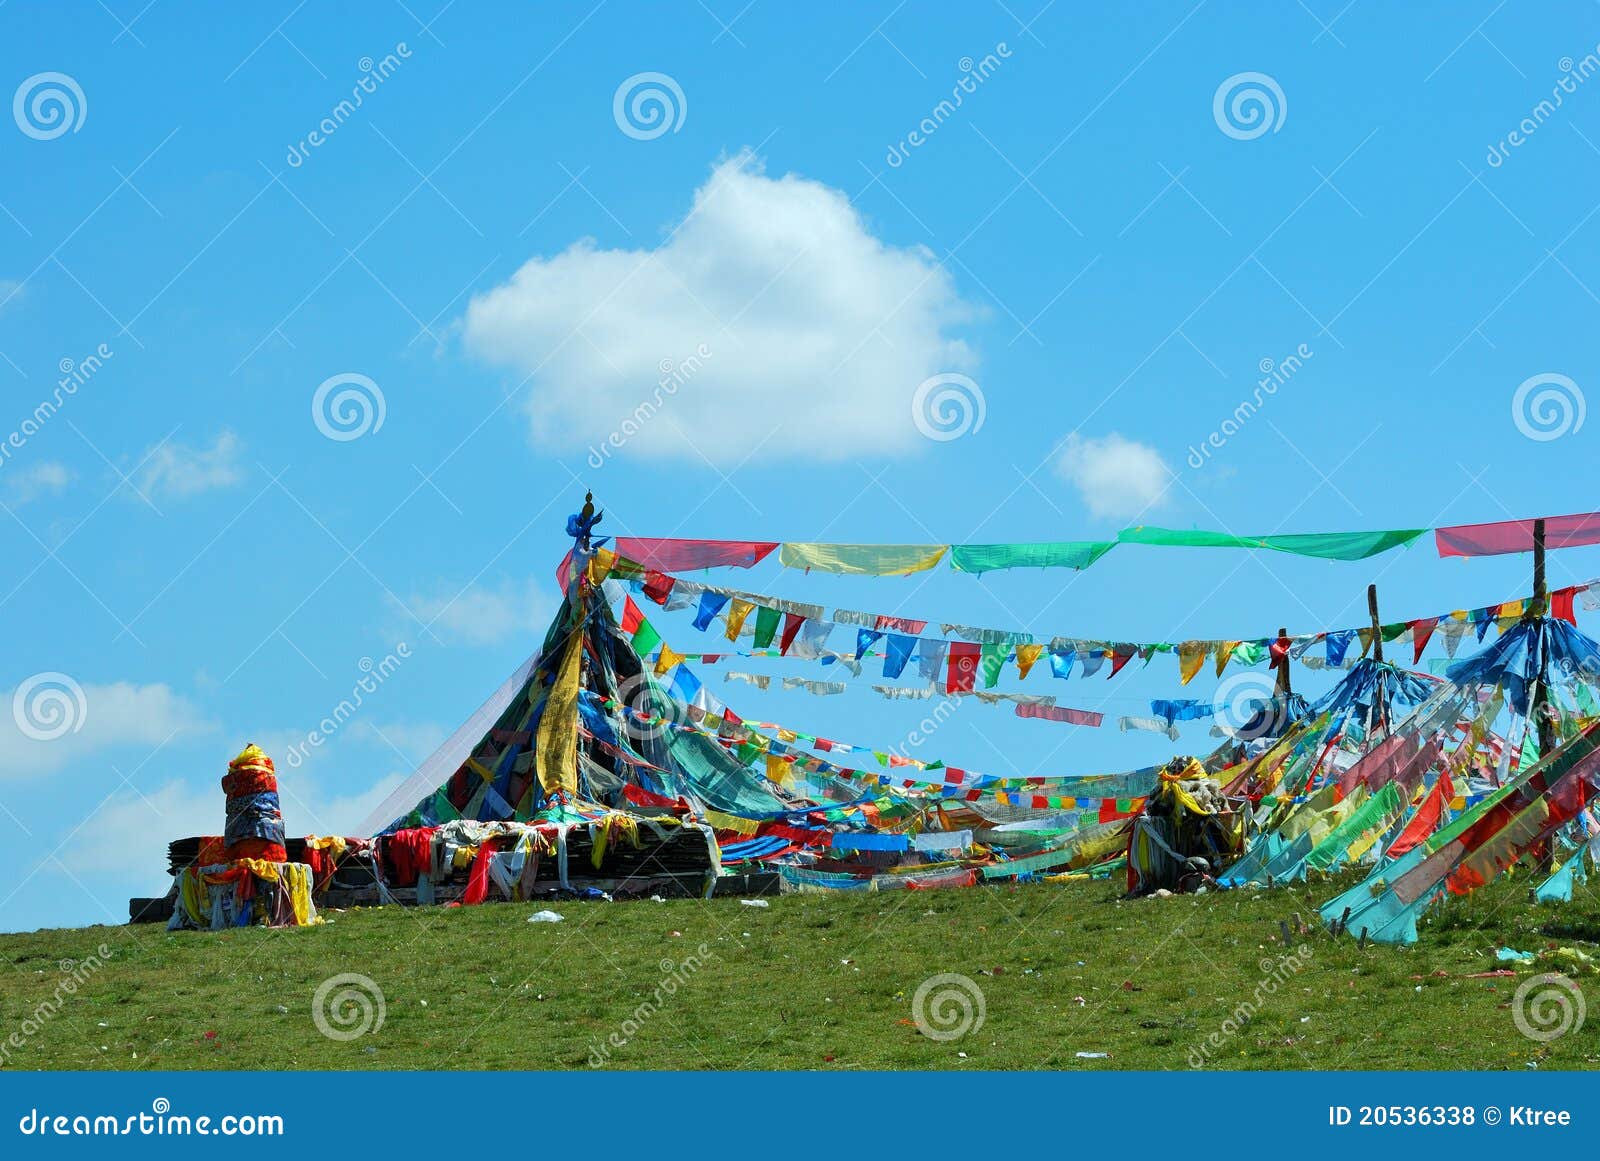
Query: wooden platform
{"type": "Point", "coordinates": [691, 886]}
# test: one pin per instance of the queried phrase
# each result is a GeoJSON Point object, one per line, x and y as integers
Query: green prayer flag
{"type": "Point", "coordinates": [766, 625]}
{"type": "Point", "coordinates": [645, 639]}
{"type": "Point", "coordinates": [993, 660]}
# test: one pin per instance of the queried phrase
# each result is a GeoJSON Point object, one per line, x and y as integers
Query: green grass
{"type": "Point", "coordinates": [813, 981]}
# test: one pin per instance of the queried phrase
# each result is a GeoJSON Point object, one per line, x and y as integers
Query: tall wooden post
{"type": "Point", "coordinates": [1380, 714]}
{"type": "Point", "coordinates": [1282, 689]}
{"type": "Point", "coordinates": [1536, 609]}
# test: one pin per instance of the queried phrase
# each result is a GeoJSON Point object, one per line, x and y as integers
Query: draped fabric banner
{"type": "Point", "coordinates": [1326, 545]}
{"type": "Point", "coordinates": [674, 555]}
{"type": "Point", "coordinates": [863, 559]}
{"type": "Point", "coordinates": [1076, 554]}
{"type": "Point", "coordinates": [1517, 535]}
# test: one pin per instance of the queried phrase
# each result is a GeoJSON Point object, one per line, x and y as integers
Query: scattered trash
{"type": "Point", "coordinates": [281, 1010]}
{"type": "Point", "coordinates": [548, 917]}
{"type": "Point", "coordinates": [754, 903]}
{"type": "Point", "coordinates": [1512, 955]}
{"type": "Point", "coordinates": [1079, 1001]}
{"type": "Point", "coordinates": [1093, 1055]}
{"type": "Point", "coordinates": [657, 899]}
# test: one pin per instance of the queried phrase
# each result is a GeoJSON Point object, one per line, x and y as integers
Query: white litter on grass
{"type": "Point", "coordinates": [1094, 1055]}
{"type": "Point", "coordinates": [544, 917]}
{"type": "Point", "coordinates": [754, 903]}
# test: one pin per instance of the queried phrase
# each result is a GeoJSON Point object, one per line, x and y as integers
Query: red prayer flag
{"type": "Point", "coordinates": [632, 618]}
{"type": "Point", "coordinates": [1426, 820]}
{"type": "Point", "coordinates": [1120, 656]}
{"type": "Point", "coordinates": [963, 667]}
{"type": "Point", "coordinates": [791, 626]}
{"type": "Point", "coordinates": [1421, 631]}
{"type": "Point", "coordinates": [1561, 605]}
{"type": "Point", "coordinates": [658, 586]}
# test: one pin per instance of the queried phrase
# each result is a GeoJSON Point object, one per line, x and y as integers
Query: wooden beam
{"type": "Point", "coordinates": [1377, 627]}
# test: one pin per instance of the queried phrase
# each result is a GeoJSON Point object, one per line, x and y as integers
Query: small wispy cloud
{"type": "Point", "coordinates": [1116, 477]}
{"type": "Point", "coordinates": [175, 469]}
{"type": "Point", "coordinates": [484, 615]}
{"type": "Point", "coordinates": [23, 485]}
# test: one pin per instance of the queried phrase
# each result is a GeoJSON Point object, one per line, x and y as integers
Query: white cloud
{"type": "Point", "coordinates": [55, 722]}
{"type": "Point", "coordinates": [1117, 477]}
{"type": "Point", "coordinates": [174, 469]}
{"type": "Point", "coordinates": [784, 307]}
{"type": "Point", "coordinates": [130, 833]}
{"type": "Point", "coordinates": [27, 484]}
{"type": "Point", "coordinates": [481, 615]}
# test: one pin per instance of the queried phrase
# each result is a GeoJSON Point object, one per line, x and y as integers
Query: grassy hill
{"type": "Point", "coordinates": [810, 981]}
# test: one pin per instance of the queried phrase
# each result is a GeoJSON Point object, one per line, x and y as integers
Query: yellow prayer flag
{"type": "Point", "coordinates": [778, 770]}
{"type": "Point", "coordinates": [1224, 655]}
{"type": "Point", "coordinates": [666, 659]}
{"type": "Point", "coordinates": [1191, 656]}
{"type": "Point", "coordinates": [737, 612]}
{"type": "Point", "coordinates": [1026, 656]}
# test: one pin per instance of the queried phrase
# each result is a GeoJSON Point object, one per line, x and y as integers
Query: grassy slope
{"type": "Point", "coordinates": [810, 982]}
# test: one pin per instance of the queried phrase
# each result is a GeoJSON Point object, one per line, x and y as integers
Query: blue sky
{"type": "Point", "coordinates": [484, 244]}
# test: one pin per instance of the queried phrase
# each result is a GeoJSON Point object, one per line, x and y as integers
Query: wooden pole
{"type": "Point", "coordinates": [1379, 713]}
{"type": "Point", "coordinates": [1536, 609]}
{"type": "Point", "coordinates": [1377, 627]}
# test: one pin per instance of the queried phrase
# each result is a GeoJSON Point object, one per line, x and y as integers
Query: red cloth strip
{"type": "Point", "coordinates": [1052, 713]}
{"type": "Point", "coordinates": [1517, 535]}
